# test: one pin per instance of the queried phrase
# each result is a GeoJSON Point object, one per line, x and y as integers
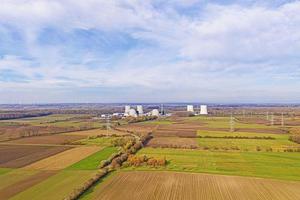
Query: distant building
{"type": "Point", "coordinates": [155, 112]}
{"type": "Point", "coordinates": [203, 110]}
{"type": "Point", "coordinates": [127, 109]}
{"type": "Point", "coordinates": [190, 108]}
{"type": "Point", "coordinates": [139, 109]}
{"type": "Point", "coordinates": [132, 113]}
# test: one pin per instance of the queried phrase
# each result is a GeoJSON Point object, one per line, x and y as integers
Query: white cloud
{"type": "Point", "coordinates": [233, 46]}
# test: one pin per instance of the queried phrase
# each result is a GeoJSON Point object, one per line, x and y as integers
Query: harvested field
{"type": "Point", "coordinates": [49, 139]}
{"type": "Point", "coordinates": [138, 128]}
{"type": "Point", "coordinates": [170, 185]}
{"type": "Point", "coordinates": [173, 142]}
{"type": "Point", "coordinates": [24, 184]}
{"type": "Point", "coordinates": [14, 156]}
{"type": "Point", "coordinates": [175, 133]}
{"type": "Point", "coordinates": [64, 159]}
{"type": "Point", "coordinates": [95, 132]}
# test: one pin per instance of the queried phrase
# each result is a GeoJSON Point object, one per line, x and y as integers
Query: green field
{"type": "Point", "coordinates": [275, 165]}
{"type": "Point", "coordinates": [99, 141]}
{"type": "Point", "coordinates": [58, 186]}
{"type": "Point", "coordinates": [4, 170]}
{"type": "Point", "coordinates": [92, 162]}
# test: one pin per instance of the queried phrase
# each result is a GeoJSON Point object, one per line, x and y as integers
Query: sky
{"type": "Point", "coordinates": [212, 51]}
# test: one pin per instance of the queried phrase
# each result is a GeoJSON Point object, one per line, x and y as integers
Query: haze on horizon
{"type": "Point", "coordinates": [149, 51]}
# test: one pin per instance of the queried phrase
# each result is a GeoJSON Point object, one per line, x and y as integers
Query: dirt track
{"type": "Point", "coordinates": [20, 186]}
{"type": "Point", "coordinates": [14, 156]}
{"type": "Point", "coordinates": [188, 186]}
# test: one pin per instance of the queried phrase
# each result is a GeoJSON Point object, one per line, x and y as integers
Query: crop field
{"type": "Point", "coordinates": [92, 162]}
{"type": "Point", "coordinates": [24, 184]}
{"type": "Point", "coordinates": [166, 185]}
{"type": "Point", "coordinates": [64, 159]}
{"type": "Point", "coordinates": [14, 156]}
{"type": "Point", "coordinates": [95, 132]}
{"type": "Point", "coordinates": [48, 139]}
{"type": "Point", "coordinates": [277, 165]}
{"type": "Point", "coordinates": [181, 158]}
{"type": "Point", "coordinates": [55, 187]}
{"type": "Point", "coordinates": [173, 142]}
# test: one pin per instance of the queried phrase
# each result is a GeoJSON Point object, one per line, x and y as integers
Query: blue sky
{"type": "Point", "coordinates": [228, 51]}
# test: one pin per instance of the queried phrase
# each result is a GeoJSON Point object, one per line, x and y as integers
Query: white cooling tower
{"type": "Point", "coordinates": [132, 113]}
{"type": "Point", "coordinates": [203, 110]}
{"type": "Point", "coordinates": [139, 109]}
{"type": "Point", "coordinates": [155, 112]}
{"type": "Point", "coordinates": [190, 108]}
{"type": "Point", "coordinates": [127, 108]}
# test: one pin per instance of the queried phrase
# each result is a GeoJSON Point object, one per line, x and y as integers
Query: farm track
{"type": "Point", "coordinates": [22, 185]}
{"type": "Point", "coordinates": [188, 186]}
{"type": "Point", "coordinates": [64, 159]}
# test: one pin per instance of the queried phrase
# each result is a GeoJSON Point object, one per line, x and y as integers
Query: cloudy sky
{"type": "Point", "coordinates": [215, 51]}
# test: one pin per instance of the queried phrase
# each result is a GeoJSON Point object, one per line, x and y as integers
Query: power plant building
{"type": "Point", "coordinates": [203, 110]}
{"type": "Point", "coordinates": [139, 109]}
{"type": "Point", "coordinates": [190, 108]}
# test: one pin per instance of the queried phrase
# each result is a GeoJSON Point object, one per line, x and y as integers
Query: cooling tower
{"type": "Point", "coordinates": [127, 108]}
{"type": "Point", "coordinates": [203, 110]}
{"type": "Point", "coordinates": [155, 112]}
{"type": "Point", "coordinates": [132, 113]}
{"type": "Point", "coordinates": [190, 108]}
{"type": "Point", "coordinates": [139, 109]}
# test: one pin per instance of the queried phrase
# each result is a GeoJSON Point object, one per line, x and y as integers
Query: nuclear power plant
{"type": "Point", "coordinates": [202, 109]}
{"type": "Point", "coordinates": [139, 111]}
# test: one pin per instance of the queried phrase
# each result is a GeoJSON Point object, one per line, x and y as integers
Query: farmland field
{"type": "Point", "coordinates": [64, 159]}
{"type": "Point", "coordinates": [167, 185]}
{"type": "Point", "coordinates": [277, 165]}
{"type": "Point", "coordinates": [13, 156]}
{"type": "Point", "coordinates": [58, 186]}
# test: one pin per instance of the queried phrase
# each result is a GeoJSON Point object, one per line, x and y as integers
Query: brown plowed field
{"type": "Point", "coordinates": [49, 139]}
{"type": "Point", "coordinates": [138, 128]}
{"type": "Point", "coordinates": [183, 186]}
{"type": "Point", "coordinates": [173, 142]}
{"type": "Point", "coordinates": [94, 132]}
{"type": "Point", "coordinates": [14, 156]}
{"type": "Point", "coordinates": [175, 133]}
{"type": "Point", "coordinates": [64, 159]}
{"type": "Point", "coordinates": [22, 185]}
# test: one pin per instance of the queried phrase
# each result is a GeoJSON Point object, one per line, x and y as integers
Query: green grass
{"type": "Point", "coordinates": [279, 143]}
{"type": "Point", "coordinates": [11, 176]}
{"type": "Point", "coordinates": [4, 170]}
{"type": "Point", "coordinates": [277, 165]}
{"type": "Point", "coordinates": [58, 186]}
{"type": "Point", "coordinates": [92, 162]}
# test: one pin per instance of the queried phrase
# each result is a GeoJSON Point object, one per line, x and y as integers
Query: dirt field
{"type": "Point", "coordinates": [49, 139]}
{"type": "Point", "coordinates": [22, 185]}
{"type": "Point", "coordinates": [94, 132]}
{"type": "Point", "coordinates": [14, 156]}
{"type": "Point", "coordinates": [64, 159]}
{"type": "Point", "coordinates": [138, 128]}
{"type": "Point", "coordinates": [183, 186]}
{"type": "Point", "coordinates": [173, 142]}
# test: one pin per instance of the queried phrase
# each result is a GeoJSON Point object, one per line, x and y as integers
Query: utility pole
{"type": "Point", "coordinates": [231, 122]}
